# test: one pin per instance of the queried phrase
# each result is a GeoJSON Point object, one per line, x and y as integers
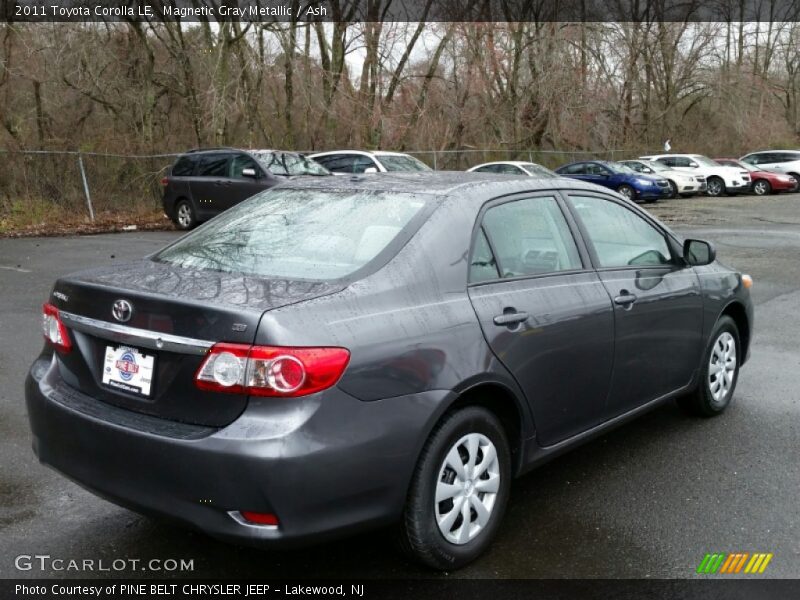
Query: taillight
{"type": "Point", "coordinates": [165, 181]}
{"type": "Point", "coordinates": [271, 370]}
{"type": "Point", "coordinates": [54, 330]}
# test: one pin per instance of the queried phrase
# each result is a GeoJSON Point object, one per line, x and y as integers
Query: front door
{"type": "Point", "coordinates": [544, 313]}
{"type": "Point", "coordinates": [658, 309]}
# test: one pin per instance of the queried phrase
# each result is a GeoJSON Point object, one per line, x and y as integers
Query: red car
{"type": "Point", "coordinates": [763, 182]}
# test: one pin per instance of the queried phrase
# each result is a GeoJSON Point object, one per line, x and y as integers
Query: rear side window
{"type": "Point", "coordinates": [298, 234]}
{"type": "Point", "coordinates": [183, 167]}
{"type": "Point", "coordinates": [530, 237]}
{"type": "Point", "coordinates": [213, 165]}
{"type": "Point", "coordinates": [576, 169]}
{"type": "Point", "coordinates": [620, 237]}
{"type": "Point", "coordinates": [786, 156]}
{"type": "Point", "coordinates": [482, 265]}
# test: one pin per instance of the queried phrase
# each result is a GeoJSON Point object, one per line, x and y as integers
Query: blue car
{"type": "Point", "coordinates": [620, 178]}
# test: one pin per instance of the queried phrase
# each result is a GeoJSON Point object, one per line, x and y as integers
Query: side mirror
{"type": "Point", "coordinates": [647, 170]}
{"type": "Point", "coordinates": [249, 173]}
{"type": "Point", "coordinates": [693, 164]}
{"type": "Point", "coordinates": [698, 252]}
{"type": "Point", "coordinates": [370, 170]}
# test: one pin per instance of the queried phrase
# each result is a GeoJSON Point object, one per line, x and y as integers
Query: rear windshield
{"type": "Point", "coordinates": [298, 234]}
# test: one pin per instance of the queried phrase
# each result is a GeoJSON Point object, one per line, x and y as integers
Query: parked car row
{"type": "Point", "coordinates": [203, 183]}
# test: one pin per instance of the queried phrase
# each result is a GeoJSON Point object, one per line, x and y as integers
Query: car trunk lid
{"type": "Point", "coordinates": [175, 315]}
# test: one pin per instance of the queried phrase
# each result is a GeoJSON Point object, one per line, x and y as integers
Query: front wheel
{"type": "Point", "coordinates": [673, 189]}
{"type": "Point", "coordinates": [459, 491]}
{"type": "Point", "coordinates": [719, 373]}
{"type": "Point", "coordinates": [716, 187]}
{"type": "Point", "coordinates": [627, 191]}
{"type": "Point", "coordinates": [761, 187]}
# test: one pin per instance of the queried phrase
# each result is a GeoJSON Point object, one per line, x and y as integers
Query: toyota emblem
{"type": "Point", "coordinates": [122, 311]}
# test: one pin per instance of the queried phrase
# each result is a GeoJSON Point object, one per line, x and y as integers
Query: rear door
{"type": "Point", "coordinates": [211, 184]}
{"type": "Point", "coordinates": [544, 311]}
{"type": "Point", "coordinates": [658, 307]}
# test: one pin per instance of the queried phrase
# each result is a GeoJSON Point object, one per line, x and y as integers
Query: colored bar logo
{"type": "Point", "coordinates": [721, 563]}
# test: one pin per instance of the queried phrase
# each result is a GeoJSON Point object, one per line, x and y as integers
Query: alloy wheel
{"type": "Point", "coordinates": [184, 215]}
{"type": "Point", "coordinates": [760, 188]}
{"type": "Point", "coordinates": [715, 187]}
{"type": "Point", "coordinates": [467, 488]}
{"type": "Point", "coordinates": [722, 366]}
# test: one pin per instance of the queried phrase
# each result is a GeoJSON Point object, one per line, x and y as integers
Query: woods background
{"type": "Point", "coordinates": [719, 88]}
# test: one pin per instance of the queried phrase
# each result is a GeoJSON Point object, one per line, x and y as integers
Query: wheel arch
{"type": "Point", "coordinates": [736, 311]}
{"type": "Point", "coordinates": [503, 402]}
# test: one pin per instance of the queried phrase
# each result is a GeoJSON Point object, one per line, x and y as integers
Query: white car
{"type": "Point", "coordinates": [682, 183]}
{"type": "Point", "coordinates": [719, 179]}
{"type": "Point", "coordinates": [785, 161]}
{"type": "Point", "coordinates": [513, 167]}
{"type": "Point", "coordinates": [360, 161]}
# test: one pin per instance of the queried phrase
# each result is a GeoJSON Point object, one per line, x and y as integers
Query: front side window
{"type": "Point", "coordinates": [241, 162]}
{"type": "Point", "coordinates": [360, 164]}
{"type": "Point", "coordinates": [298, 234]}
{"type": "Point", "coordinates": [620, 237]}
{"type": "Point", "coordinates": [531, 237]}
{"type": "Point", "coordinates": [402, 162]}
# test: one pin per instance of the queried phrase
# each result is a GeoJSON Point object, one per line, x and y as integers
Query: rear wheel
{"type": "Point", "coordinates": [185, 217]}
{"type": "Point", "coordinates": [761, 187]}
{"type": "Point", "coordinates": [719, 373]}
{"type": "Point", "coordinates": [627, 191]}
{"type": "Point", "coordinates": [459, 491]}
{"type": "Point", "coordinates": [716, 186]}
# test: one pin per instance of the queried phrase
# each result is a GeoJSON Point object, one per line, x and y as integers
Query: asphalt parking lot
{"type": "Point", "coordinates": [647, 500]}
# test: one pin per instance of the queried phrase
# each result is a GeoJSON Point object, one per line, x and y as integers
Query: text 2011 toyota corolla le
{"type": "Point", "coordinates": [332, 355]}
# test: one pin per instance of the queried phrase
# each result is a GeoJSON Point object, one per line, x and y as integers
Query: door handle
{"type": "Point", "coordinates": [221, 182]}
{"type": "Point", "coordinates": [625, 299]}
{"type": "Point", "coordinates": [510, 318]}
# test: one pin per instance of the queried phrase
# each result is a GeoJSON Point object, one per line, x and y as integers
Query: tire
{"type": "Point", "coordinates": [796, 185]}
{"type": "Point", "coordinates": [673, 189]}
{"type": "Point", "coordinates": [716, 186]}
{"type": "Point", "coordinates": [761, 187]}
{"type": "Point", "coordinates": [185, 217]}
{"type": "Point", "coordinates": [627, 191]}
{"type": "Point", "coordinates": [420, 535]}
{"type": "Point", "coordinates": [710, 398]}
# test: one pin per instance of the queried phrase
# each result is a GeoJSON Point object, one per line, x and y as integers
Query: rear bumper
{"type": "Point", "coordinates": [329, 465]}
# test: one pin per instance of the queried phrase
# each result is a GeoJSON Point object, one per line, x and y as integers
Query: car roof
{"type": "Point", "coordinates": [515, 163]}
{"type": "Point", "coordinates": [771, 151]}
{"type": "Point", "coordinates": [441, 183]}
{"type": "Point", "coordinates": [361, 152]}
{"type": "Point", "coordinates": [198, 151]}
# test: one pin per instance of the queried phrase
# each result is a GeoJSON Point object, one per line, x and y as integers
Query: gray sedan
{"type": "Point", "coordinates": [345, 353]}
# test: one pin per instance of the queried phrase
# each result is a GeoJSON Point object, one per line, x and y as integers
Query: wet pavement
{"type": "Point", "coordinates": [646, 500]}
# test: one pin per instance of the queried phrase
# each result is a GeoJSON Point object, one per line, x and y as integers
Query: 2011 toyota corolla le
{"type": "Point", "coordinates": [344, 353]}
